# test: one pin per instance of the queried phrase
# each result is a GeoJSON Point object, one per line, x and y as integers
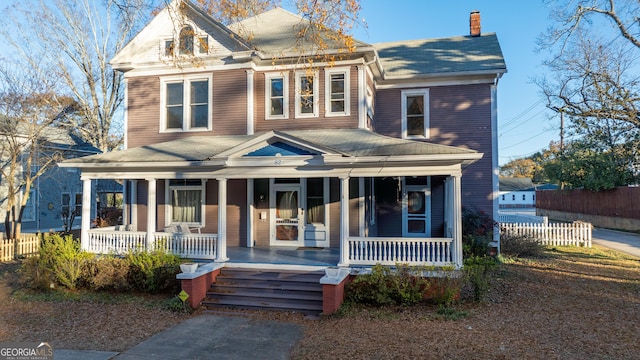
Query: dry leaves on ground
{"type": "Point", "coordinates": [573, 304]}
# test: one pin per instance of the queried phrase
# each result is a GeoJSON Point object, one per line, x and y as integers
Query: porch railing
{"type": "Point", "coordinates": [389, 251]}
{"type": "Point", "coordinates": [194, 246]}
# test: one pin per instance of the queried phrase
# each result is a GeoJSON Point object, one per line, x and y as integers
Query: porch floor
{"type": "Point", "coordinates": [275, 255]}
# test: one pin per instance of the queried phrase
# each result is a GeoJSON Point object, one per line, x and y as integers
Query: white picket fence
{"type": "Point", "coordinates": [555, 234]}
{"type": "Point", "coordinates": [26, 246]}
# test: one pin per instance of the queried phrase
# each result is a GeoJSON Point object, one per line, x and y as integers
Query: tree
{"type": "Point", "coordinates": [593, 81]}
{"type": "Point", "coordinates": [28, 106]}
{"type": "Point", "coordinates": [79, 37]}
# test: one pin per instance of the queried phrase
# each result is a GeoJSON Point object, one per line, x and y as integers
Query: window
{"type": "Point", "coordinates": [513, 198]}
{"type": "Point", "coordinates": [203, 45]}
{"type": "Point", "coordinates": [186, 41]}
{"type": "Point", "coordinates": [78, 204]}
{"type": "Point", "coordinates": [30, 209]}
{"type": "Point", "coordinates": [502, 197]}
{"type": "Point", "coordinates": [337, 92]}
{"type": "Point", "coordinates": [186, 104]}
{"type": "Point", "coordinates": [524, 197]}
{"type": "Point", "coordinates": [168, 47]}
{"type": "Point", "coordinates": [415, 114]}
{"type": "Point", "coordinates": [315, 201]}
{"type": "Point", "coordinates": [75, 206]}
{"type": "Point", "coordinates": [186, 202]}
{"type": "Point", "coordinates": [277, 99]}
{"type": "Point", "coordinates": [306, 94]}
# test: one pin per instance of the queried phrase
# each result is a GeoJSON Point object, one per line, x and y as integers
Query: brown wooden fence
{"type": "Point", "coordinates": [619, 202]}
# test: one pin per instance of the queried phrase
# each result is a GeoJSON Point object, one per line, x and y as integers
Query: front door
{"type": "Point", "coordinates": [286, 213]}
{"type": "Point", "coordinates": [416, 206]}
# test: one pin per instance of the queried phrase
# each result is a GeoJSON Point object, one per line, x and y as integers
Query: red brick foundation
{"type": "Point", "coordinates": [333, 296]}
{"type": "Point", "coordinates": [198, 286]}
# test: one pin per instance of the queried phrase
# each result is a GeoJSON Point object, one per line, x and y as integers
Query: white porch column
{"type": "Point", "coordinates": [250, 215]}
{"type": "Point", "coordinates": [344, 221]}
{"type": "Point", "coordinates": [221, 248]}
{"type": "Point", "coordinates": [151, 212]}
{"type": "Point", "coordinates": [86, 213]}
{"type": "Point", "coordinates": [125, 196]}
{"type": "Point", "coordinates": [456, 250]}
{"type": "Point", "coordinates": [134, 202]}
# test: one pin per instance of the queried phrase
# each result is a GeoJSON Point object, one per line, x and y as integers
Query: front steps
{"type": "Point", "coordinates": [284, 290]}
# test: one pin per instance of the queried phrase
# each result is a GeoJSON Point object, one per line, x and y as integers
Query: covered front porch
{"type": "Point", "coordinates": [301, 189]}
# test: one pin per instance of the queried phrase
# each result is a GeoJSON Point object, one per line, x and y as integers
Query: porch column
{"type": "Point", "coordinates": [134, 202]}
{"type": "Point", "coordinates": [125, 197]}
{"type": "Point", "coordinates": [344, 221]}
{"type": "Point", "coordinates": [151, 212]}
{"type": "Point", "coordinates": [221, 246]}
{"type": "Point", "coordinates": [456, 249]}
{"type": "Point", "coordinates": [86, 213]}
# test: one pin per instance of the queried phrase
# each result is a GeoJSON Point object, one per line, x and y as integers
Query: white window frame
{"type": "Point", "coordinates": [197, 34]}
{"type": "Point", "coordinates": [285, 93]}
{"type": "Point", "coordinates": [415, 92]}
{"type": "Point", "coordinates": [347, 91]}
{"type": "Point", "coordinates": [163, 47]}
{"type": "Point", "coordinates": [316, 94]}
{"type": "Point", "coordinates": [186, 102]}
{"type": "Point", "coordinates": [169, 206]}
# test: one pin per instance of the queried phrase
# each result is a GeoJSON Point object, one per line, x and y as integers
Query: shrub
{"type": "Point", "coordinates": [108, 273]}
{"type": "Point", "coordinates": [445, 289]}
{"type": "Point", "coordinates": [385, 286]}
{"type": "Point", "coordinates": [520, 246]}
{"type": "Point", "coordinates": [59, 262]}
{"type": "Point", "coordinates": [176, 304]}
{"type": "Point", "coordinates": [153, 272]}
{"type": "Point", "coordinates": [478, 273]}
{"type": "Point", "coordinates": [477, 231]}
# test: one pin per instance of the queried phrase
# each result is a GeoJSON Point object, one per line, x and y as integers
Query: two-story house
{"type": "Point", "coordinates": [234, 145]}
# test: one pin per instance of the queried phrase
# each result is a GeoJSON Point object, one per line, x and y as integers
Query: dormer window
{"type": "Point", "coordinates": [186, 40]}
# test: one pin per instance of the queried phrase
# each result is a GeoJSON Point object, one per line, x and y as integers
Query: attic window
{"type": "Point", "coordinates": [203, 45]}
{"type": "Point", "coordinates": [186, 41]}
{"type": "Point", "coordinates": [168, 47]}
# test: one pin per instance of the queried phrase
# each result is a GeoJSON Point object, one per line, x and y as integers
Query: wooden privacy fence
{"type": "Point", "coordinates": [557, 234]}
{"type": "Point", "coordinates": [26, 246]}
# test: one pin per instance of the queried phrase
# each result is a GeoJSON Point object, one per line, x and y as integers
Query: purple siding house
{"type": "Point", "coordinates": [229, 151]}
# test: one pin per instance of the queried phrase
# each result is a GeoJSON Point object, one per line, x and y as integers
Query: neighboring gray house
{"type": "Point", "coordinates": [59, 190]}
{"type": "Point", "coordinates": [517, 193]}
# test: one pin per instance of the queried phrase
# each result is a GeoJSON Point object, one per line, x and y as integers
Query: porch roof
{"type": "Point", "coordinates": [355, 147]}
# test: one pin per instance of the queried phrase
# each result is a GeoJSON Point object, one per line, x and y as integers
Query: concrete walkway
{"type": "Point", "coordinates": [628, 243]}
{"type": "Point", "coordinates": [207, 337]}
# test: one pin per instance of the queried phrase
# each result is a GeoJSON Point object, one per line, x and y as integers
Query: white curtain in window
{"type": "Point", "coordinates": [186, 206]}
{"type": "Point", "coordinates": [287, 204]}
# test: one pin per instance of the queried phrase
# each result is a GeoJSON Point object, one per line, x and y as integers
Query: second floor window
{"type": "Point", "coordinates": [186, 104]}
{"type": "Point", "coordinates": [186, 41]}
{"type": "Point", "coordinates": [415, 114]}
{"type": "Point", "coordinates": [277, 96]}
{"type": "Point", "coordinates": [306, 94]}
{"type": "Point", "coordinates": [337, 92]}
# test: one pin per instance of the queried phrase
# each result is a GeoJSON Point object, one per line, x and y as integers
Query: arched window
{"type": "Point", "coordinates": [186, 40]}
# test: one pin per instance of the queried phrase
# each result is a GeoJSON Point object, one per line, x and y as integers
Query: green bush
{"type": "Point", "coordinates": [153, 272]}
{"type": "Point", "coordinates": [445, 289]}
{"type": "Point", "coordinates": [520, 246]}
{"type": "Point", "coordinates": [59, 262]}
{"type": "Point", "coordinates": [478, 273]}
{"type": "Point", "coordinates": [386, 286]}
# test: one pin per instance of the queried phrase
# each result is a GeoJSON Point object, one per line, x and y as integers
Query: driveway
{"type": "Point", "coordinates": [628, 243]}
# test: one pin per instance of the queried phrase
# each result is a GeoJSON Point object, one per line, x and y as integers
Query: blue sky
{"type": "Point", "coordinates": [524, 126]}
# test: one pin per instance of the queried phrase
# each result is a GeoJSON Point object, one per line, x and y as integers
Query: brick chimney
{"type": "Point", "coordinates": [474, 23]}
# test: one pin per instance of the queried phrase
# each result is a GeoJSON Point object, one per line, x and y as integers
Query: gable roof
{"type": "Point", "coordinates": [274, 32]}
{"type": "Point", "coordinates": [475, 54]}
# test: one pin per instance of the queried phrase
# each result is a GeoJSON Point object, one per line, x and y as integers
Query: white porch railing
{"type": "Point", "coordinates": [194, 246]}
{"type": "Point", "coordinates": [389, 251]}
{"type": "Point", "coordinates": [560, 234]}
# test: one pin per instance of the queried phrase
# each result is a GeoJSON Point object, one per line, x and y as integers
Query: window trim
{"type": "Point", "coordinates": [169, 205]}
{"type": "Point", "coordinates": [186, 102]}
{"type": "Point", "coordinates": [316, 97]}
{"type": "Point", "coordinates": [347, 91]}
{"type": "Point", "coordinates": [285, 95]}
{"type": "Point", "coordinates": [175, 39]}
{"type": "Point", "coordinates": [415, 92]}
